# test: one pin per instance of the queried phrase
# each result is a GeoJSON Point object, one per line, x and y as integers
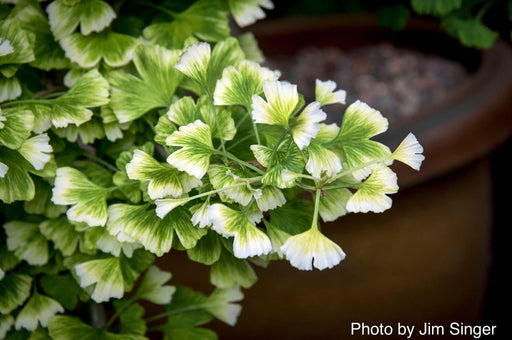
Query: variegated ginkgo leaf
{"type": "Point", "coordinates": [325, 94]}
{"type": "Point", "coordinates": [184, 111]}
{"type": "Point", "coordinates": [10, 88]}
{"type": "Point", "coordinates": [252, 52]}
{"type": "Point", "coordinates": [14, 290]}
{"type": "Point", "coordinates": [221, 176]}
{"type": "Point", "coordinates": [152, 287]}
{"type": "Point", "coordinates": [360, 123]}
{"type": "Point", "coordinates": [312, 248]}
{"type": "Point", "coordinates": [91, 15]}
{"type": "Point", "coordinates": [27, 243]}
{"type": "Point", "coordinates": [88, 200]}
{"type": "Point", "coordinates": [270, 198]}
{"type": "Point", "coordinates": [105, 274]}
{"type": "Point", "coordinates": [38, 310]}
{"type": "Point", "coordinates": [155, 234]}
{"type": "Point", "coordinates": [409, 152]}
{"type": "Point", "coordinates": [154, 87]}
{"type": "Point", "coordinates": [115, 49]}
{"type": "Point", "coordinates": [288, 160]}
{"type": "Point", "coordinates": [90, 90]}
{"type": "Point", "coordinates": [333, 204]}
{"type": "Point", "coordinates": [3, 169]}
{"type": "Point", "coordinates": [371, 194]}
{"type": "Point", "coordinates": [239, 84]}
{"type": "Point", "coordinates": [109, 244]}
{"type": "Point", "coordinates": [164, 180]}
{"type": "Point", "coordinates": [206, 19]}
{"type": "Point", "coordinates": [247, 12]}
{"type": "Point", "coordinates": [249, 240]}
{"type": "Point", "coordinates": [63, 327]}
{"type": "Point", "coordinates": [131, 317]}
{"type": "Point", "coordinates": [230, 272]}
{"type": "Point", "coordinates": [322, 160]}
{"type": "Point", "coordinates": [61, 233]}
{"type": "Point", "coordinates": [196, 145]}
{"type": "Point", "coordinates": [194, 62]}
{"type": "Point", "coordinates": [36, 150]}
{"type": "Point", "coordinates": [163, 129]}
{"type": "Point", "coordinates": [280, 104]}
{"type": "Point", "coordinates": [6, 323]}
{"type": "Point", "coordinates": [306, 126]}
{"type": "Point", "coordinates": [5, 47]}
{"type": "Point", "coordinates": [220, 304]}
{"type": "Point", "coordinates": [200, 216]}
{"type": "Point", "coordinates": [20, 42]}
{"type": "Point", "coordinates": [15, 127]}
{"type": "Point", "coordinates": [207, 250]}
{"type": "Point", "coordinates": [16, 184]}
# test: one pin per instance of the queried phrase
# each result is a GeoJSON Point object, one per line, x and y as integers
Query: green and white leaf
{"type": "Point", "coordinates": [20, 41]}
{"type": "Point", "coordinates": [409, 152]}
{"type": "Point", "coordinates": [471, 32]}
{"type": "Point", "coordinates": [36, 150]}
{"type": "Point", "coordinates": [196, 142]}
{"type": "Point", "coordinates": [334, 204]}
{"type": "Point", "coordinates": [64, 289]}
{"type": "Point", "coordinates": [305, 126]}
{"type": "Point", "coordinates": [205, 19]}
{"type": "Point", "coordinates": [61, 233]}
{"type": "Point", "coordinates": [15, 127]}
{"type": "Point", "coordinates": [88, 200]}
{"type": "Point", "coordinates": [235, 182]}
{"type": "Point", "coordinates": [154, 87]}
{"type": "Point", "coordinates": [91, 15]}
{"type": "Point", "coordinates": [109, 244]}
{"type": "Point", "coordinates": [5, 47]}
{"type": "Point", "coordinates": [248, 239]}
{"type": "Point", "coordinates": [249, 45]}
{"type": "Point", "coordinates": [322, 160]}
{"type": "Point", "coordinates": [207, 250]}
{"type": "Point", "coordinates": [247, 12]}
{"type": "Point", "coordinates": [164, 180]}
{"type": "Point", "coordinates": [288, 160]}
{"type": "Point", "coordinates": [371, 194]}
{"type": "Point", "coordinates": [239, 84]}
{"type": "Point", "coordinates": [106, 276]}
{"type": "Point", "coordinates": [194, 62]}
{"type": "Point", "coordinates": [152, 287]}
{"type": "Point", "coordinates": [6, 323]}
{"type": "Point", "coordinates": [130, 317]}
{"type": "Point", "coordinates": [312, 248]}
{"type": "Point", "coordinates": [24, 239]}
{"type": "Point", "coordinates": [360, 123]}
{"type": "Point", "coordinates": [115, 49]}
{"type": "Point", "coordinates": [271, 198]}
{"type": "Point", "coordinates": [220, 304]}
{"type": "Point", "coordinates": [10, 88]}
{"type": "Point", "coordinates": [38, 310]}
{"type": "Point", "coordinates": [67, 327]}
{"type": "Point", "coordinates": [325, 94]}
{"type": "Point", "coordinates": [14, 290]}
{"type": "Point", "coordinates": [16, 184]}
{"type": "Point", "coordinates": [281, 100]}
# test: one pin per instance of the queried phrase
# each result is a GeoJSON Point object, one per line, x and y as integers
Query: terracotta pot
{"type": "Point", "coordinates": [426, 259]}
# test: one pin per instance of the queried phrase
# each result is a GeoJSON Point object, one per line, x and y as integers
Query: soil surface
{"type": "Point", "coordinates": [394, 80]}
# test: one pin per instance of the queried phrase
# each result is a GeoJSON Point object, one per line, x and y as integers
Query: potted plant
{"type": "Point", "coordinates": [125, 135]}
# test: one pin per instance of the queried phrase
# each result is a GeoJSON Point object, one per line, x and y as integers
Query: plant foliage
{"type": "Point", "coordinates": [124, 136]}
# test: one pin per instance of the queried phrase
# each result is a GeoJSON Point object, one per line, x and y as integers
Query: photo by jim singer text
{"type": "Point", "coordinates": [427, 329]}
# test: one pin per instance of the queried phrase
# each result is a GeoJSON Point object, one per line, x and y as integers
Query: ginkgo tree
{"type": "Point", "coordinates": [126, 136]}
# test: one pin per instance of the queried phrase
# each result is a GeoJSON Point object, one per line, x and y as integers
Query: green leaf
{"type": "Point", "coordinates": [37, 151]}
{"type": "Point", "coordinates": [61, 233]}
{"type": "Point", "coordinates": [220, 304]}
{"type": "Point", "coordinates": [163, 129]}
{"type": "Point", "coordinates": [152, 287]}
{"type": "Point", "coordinates": [471, 32]}
{"type": "Point", "coordinates": [131, 317]}
{"type": "Point", "coordinates": [133, 96]}
{"type": "Point", "coordinates": [360, 123]}
{"type": "Point", "coordinates": [89, 201]}
{"type": "Point", "coordinates": [6, 322]}
{"type": "Point", "coordinates": [16, 185]}
{"type": "Point", "coordinates": [206, 19]}
{"type": "Point", "coordinates": [38, 310]}
{"type": "Point", "coordinates": [62, 288]}
{"type": "Point", "coordinates": [40, 334]}
{"type": "Point", "coordinates": [68, 327]}
{"type": "Point", "coordinates": [222, 176]}
{"type": "Point", "coordinates": [322, 160]}
{"type": "Point", "coordinates": [15, 127]}
{"type": "Point", "coordinates": [164, 180]}
{"type": "Point", "coordinates": [248, 239]}
{"type": "Point", "coordinates": [194, 62]}
{"type": "Point", "coordinates": [154, 234]}
{"type": "Point", "coordinates": [132, 267]}
{"type": "Point", "coordinates": [91, 15]}
{"type": "Point", "coordinates": [371, 194]}
{"type": "Point", "coordinates": [230, 272]}
{"type": "Point", "coordinates": [21, 42]}
{"type": "Point", "coordinates": [225, 53]}
{"type": "Point", "coordinates": [393, 16]}
{"type": "Point", "coordinates": [333, 204]}
{"type": "Point", "coordinates": [106, 276]}
{"type": "Point", "coordinates": [27, 243]}
{"type": "Point", "coordinates": [294, 217]}
{"type": "Point", "coordinates": [7, 259]}
{"type": "Point", "coordinates": [10, 88]}
{"type": "Point", "coordinates": [249, 45]}
{"type": "Point", "coordinates": [41, 203]}
{"type": "Point", "coordinates": [14, 290]}
{"type": "Point", "coordinates": [287, 158]}
{"type": "Point", "coordinates": [247, 12]}
{"type": "Point", "coordinates": [196, 142]}
{"type": "Point", "coordinates": [435, 7]}
{"type": "Point", "coordinates": [114, 49]}
{"type": "Point", "coordinates": [239, 84]}
{"type": "Point", "coordinates": [207, 250]}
